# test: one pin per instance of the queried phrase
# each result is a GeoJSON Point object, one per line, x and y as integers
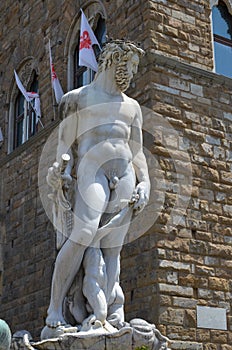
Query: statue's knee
{"type": "Point", "coordinates": [84, 236]}
{"type": "Point", "coordinates": [112, 252]}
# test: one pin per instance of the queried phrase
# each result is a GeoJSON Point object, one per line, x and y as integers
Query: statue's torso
{"type": "Point", "coordinates": [104, 130]}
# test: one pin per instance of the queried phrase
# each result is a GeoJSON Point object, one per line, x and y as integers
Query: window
{"type": "Point", "coordinates": [25, 124]}
{"type": "Point", "coordinates": [83, 75]}
{"type": "Point", "coordinates": [222, 32]}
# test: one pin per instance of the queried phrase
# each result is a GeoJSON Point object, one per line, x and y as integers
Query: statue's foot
{"type": "Point", "coordinates": [116, 320]}
{"type": "Point", "coordinates": [91, 323]}
{"type": "Point", "coordinates": [57, 332]}
{"type": "Point", "coordinates": [55, 320]}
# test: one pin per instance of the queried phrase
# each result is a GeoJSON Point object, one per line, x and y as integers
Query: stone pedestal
{"type": "Point", "coordinates": [137, 335]}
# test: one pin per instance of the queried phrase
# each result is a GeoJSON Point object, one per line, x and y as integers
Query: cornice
{"type": "Point", "coordinates": [175, 64]}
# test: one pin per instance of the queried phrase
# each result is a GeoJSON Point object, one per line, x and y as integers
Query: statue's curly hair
{"type": "Point", "coordinates": [117, 50]}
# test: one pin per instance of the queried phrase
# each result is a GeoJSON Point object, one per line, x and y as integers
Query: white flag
{"type": "Point", "coordinates": [87, 39]}
{"type": "Point", "coordinates": [21, 87]}
{"type": "Point", "coordinates": [58, 91]}
{"type": "Point", "coordinates": [36, 107]}
{"type": "Point", "coordinates": [29, 96]}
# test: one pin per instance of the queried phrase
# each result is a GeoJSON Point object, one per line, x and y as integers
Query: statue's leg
{"type": "Point", "coordinates": [88, 211]}
{"type": "Point", "coordinates": [94, 283]}
{"type": "Point", "coordinates": [116, 306]}
{"type": "Point", "coordinates": [63, 275]}
{"type": "Point", "coordinates": [112, 244]}
{"type": "Point", "coordinates": [112, 257]}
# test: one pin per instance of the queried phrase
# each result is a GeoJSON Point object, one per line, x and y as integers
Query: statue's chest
{"type": "Point", "coordinates": [100, 114]}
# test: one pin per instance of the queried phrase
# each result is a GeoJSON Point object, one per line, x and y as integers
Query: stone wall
{"type": "Point", "coordinates": [184, 259]}
{"type": "Point", "coordinates": [28, 240]}
{"type": "Point", "coordinates": [182, 29]}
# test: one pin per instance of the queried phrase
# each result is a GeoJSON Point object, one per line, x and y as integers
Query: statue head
{"type": "Point", "coordinates": [124, 55]}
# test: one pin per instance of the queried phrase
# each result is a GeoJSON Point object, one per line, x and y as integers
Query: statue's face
{"type": "Point", "coordinates": [125, 71]}
{"type": "Point", "coordinates": [132, 65]}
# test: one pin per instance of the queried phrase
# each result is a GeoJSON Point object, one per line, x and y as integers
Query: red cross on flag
{"type": "Point", "coordinates": [87, 40]}
{"type": "Point", "coordinates": [58, 91]}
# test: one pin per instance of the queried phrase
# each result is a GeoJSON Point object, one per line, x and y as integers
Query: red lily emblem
{"type": "Point", "coordinates": [54, 76]}
{"type": "Point", "coordinates": [85, 42]}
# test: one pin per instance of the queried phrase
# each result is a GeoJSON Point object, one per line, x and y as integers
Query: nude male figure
{"type": "Point", "coordinates": [111, 169]}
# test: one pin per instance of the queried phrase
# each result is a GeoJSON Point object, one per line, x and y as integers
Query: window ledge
{"type": "Point", "coordinates": [33, 139]}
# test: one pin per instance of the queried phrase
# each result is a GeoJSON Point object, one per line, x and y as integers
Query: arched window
{"type": "Point", "coordinates": [25, 123]}
{"type": "Point", "coordinates": [83, 75]}
{"type": "Point", "coordinates": [222, 33]}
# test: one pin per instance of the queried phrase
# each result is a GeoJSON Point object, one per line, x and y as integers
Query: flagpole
{"type": "Point", "coordinates": [39, 120]}
{"type": "Point", "coordinates": [54, 104]}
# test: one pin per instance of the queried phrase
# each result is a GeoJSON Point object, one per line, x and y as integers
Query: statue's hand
{"type": "Point", "coordinates": [53, 176]}
{"type": "Point", "coordinates": [142, 192]}
{"type": "Point", "coordinates": [55, 179]}
{"type": "Point", "coordinates": [67, 180]}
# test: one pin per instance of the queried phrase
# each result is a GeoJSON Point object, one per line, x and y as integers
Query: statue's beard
{"type": "Point", "coordinates": [122, 77]}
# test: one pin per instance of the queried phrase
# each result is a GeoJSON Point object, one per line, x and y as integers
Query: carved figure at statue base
{"type": "Point", "coordinates": [100, 181]}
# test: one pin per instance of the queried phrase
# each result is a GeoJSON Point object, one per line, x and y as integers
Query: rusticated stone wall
{"type": "Point", "coordinates": [27, 240]}
{"type": "Point", "coordinates": [180, 29]}
{"type": "Point", "coordinates": [184, 259]}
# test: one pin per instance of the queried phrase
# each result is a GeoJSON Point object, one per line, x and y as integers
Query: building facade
{"type": "Point", "coordinates": [177, 274]}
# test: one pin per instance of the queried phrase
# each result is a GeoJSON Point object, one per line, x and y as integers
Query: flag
{"type": "Point", "coordinates": [36, 107]}
{"type": "Point", "coordinates": [29, 96]}
{"type": "Point", "coordinates": [58, 91]}
{"type": "Point", "coordinates": [87, 40]}
{"type": "Point", "coordinates": [21, 87]}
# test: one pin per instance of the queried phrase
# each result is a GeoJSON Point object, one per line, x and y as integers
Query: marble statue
{"type": "Point", "coordinates": [100, 161]}
{"type": "Point", "coordinates": [5, 335]}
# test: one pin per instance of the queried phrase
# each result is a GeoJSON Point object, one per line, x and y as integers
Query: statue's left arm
{"type": "Point", "coordinates": [142, 189]}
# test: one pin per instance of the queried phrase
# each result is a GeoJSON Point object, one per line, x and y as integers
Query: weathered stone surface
{"type": "Point", "coordinates": [29, 241]}
{"type": "Point", "coordinates": [139, 334]}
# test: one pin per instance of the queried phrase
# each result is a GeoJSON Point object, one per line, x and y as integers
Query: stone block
{"type": "Point", "coordinates": [228, 116]}
{"type": "Point", "coordinates": [203, 335]}
{"type": "Point", "coordinates": [184, 302]}
{"type": "Point", "coordinates": [228, 209]}
{"type": "Point", "coordinates": [226, 177]}
{"type": "Point", "coordinates": [218, 284]}
{"type": "Point", "coordinates": [226, 347]}
{"type": "Point", "coordinates": [182, 16]}
{"type": "Point", "coordinates": [210, 346]}
{"type": "Point", "coordinates": [180, 345]}
{"type": "Point", "coordinates": [166, 264]}
{"type": "Point", "coordinates": [172, 316]}
{"type": "Point", "coordinates": [179, 84]}
{"type": "Point", "coordinates": [122, 342]}
{"type": "Point", "coordinates": [196, 89]}
{"type": "Point", "coordinates": [218, 336]}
